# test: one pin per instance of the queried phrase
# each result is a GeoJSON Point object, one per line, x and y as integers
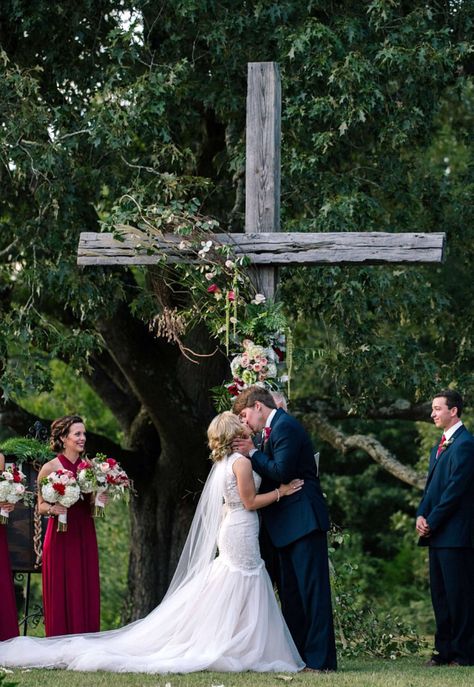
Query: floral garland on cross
{"type": "Point", "coordinates": [252, 330]}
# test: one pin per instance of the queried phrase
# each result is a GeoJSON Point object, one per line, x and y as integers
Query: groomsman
{"type": "Point", "coordinates": [445, 523]}
{"type": "Point", "coordinates": [296, 526]}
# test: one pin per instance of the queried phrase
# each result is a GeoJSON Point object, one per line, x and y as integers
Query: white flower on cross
{"type": "Point", "coordinates": [206, 247]}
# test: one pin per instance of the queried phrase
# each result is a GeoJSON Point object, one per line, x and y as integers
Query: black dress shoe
{"type": "Point", "coordinates": [434, 663]}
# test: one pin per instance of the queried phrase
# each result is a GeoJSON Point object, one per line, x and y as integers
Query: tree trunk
{"type": "Point", "coordinates": [169, 435]}
{"type": "Point", "coordinates": [160, 520]}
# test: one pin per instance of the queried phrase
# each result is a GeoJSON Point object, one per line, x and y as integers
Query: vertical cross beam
{"type": "Point", "coordinates": [262, 170]}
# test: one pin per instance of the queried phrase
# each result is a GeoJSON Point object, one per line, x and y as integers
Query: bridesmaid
{"type": "Point", "coordinates": [8, 615]}
{"type": "Point", "coordinates": [71, 592]}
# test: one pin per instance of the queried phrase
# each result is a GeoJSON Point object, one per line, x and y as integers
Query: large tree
{"type": "Point", "coordinates": [114, 108]}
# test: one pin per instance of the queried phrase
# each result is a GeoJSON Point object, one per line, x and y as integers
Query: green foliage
{"type": "Point", "coordinates": [29, 450]}
{"type": "Point", "coordinates": [70, 394]}
{"type": "Point", "coordinates": [221, 398]}
{"type": "Point", "coordinates": [375, 98]}
{"type": "Point", "coordinates": [6, 682]}
{"type": "Point", "coordinates": [362, 626]}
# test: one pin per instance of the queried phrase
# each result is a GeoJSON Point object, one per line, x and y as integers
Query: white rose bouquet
{"type": "Point", "coordinates": [12, 489]}
{"type": "Point", "coordinates": [61, 487]}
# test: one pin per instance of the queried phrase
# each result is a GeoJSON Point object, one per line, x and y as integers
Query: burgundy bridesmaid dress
{"type": "Point", "coordinates": [71, 590]}
{"type": "Point", "coordinates": [8, 615]}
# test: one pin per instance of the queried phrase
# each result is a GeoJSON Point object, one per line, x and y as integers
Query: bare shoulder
{"type": "Point", "coordinates": [2, 461]}
{"type": "Point", "coordinates": [241, 464]}
{"type": "Point", "coordinates": [49, 467]}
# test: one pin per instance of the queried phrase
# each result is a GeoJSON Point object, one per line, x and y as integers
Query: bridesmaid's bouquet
{"type": "Point", "coordinates": [12, 489]}
{"type": "Point", "coordinates": [102, 475]}
{"type": "Point", "coordinates": [61, 487]}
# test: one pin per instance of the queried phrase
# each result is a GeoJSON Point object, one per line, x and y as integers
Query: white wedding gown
{"type": "Point", "coordinates": [219, 614]}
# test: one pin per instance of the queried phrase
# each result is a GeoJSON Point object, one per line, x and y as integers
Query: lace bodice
{"type": "Point", "coordinates": [231, 491]}
{"type": "Point", "coordinates": [238, 536]}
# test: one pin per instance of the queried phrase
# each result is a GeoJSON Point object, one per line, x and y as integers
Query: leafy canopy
{"type": "Point", "coordinates": [136, 102]}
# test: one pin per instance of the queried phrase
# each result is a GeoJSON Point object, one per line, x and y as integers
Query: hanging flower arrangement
{"type": "Point", "coordinates": [252, 330]}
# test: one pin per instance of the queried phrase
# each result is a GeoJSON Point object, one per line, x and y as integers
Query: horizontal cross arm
{"type": "Point", "coordinates": [273, 248]}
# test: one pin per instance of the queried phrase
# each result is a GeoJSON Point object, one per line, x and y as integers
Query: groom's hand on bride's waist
{"type": "Point", "coordinates": [243, 445]}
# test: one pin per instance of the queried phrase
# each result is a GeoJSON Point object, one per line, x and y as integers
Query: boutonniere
{"type": "Point", "coordinates": [266, 433]}
{"type": "Point", "coordinates": [446, 445]}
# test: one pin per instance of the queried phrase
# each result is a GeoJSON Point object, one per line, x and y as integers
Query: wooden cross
{"type": "Point", "coordinates": [263, 243]}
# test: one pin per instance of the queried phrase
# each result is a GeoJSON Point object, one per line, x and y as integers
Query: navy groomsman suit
{"type": "Point", "coordinates": [297, 526]}
{"type": "Point", "coordinates": [448, 507]}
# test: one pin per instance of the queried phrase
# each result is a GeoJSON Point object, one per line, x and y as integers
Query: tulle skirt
{"type": "Point", "coordinates": [223, 620]}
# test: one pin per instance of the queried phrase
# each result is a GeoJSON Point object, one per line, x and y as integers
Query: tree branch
{"type": "Point", "coordinates": [110, 384]}
{"type": "Point", "coordinates": [344, 443]}
{"type": "Point", "coordinates": [401, 409]}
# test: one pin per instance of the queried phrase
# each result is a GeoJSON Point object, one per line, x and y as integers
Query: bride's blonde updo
{"type": "Point", "coordinates": [223, 429]}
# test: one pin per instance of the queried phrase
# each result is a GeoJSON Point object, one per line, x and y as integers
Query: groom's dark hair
{"type": "Point", "coordinates": [251, 395]}
{"type": "Point", "coordinates": [453, 399]}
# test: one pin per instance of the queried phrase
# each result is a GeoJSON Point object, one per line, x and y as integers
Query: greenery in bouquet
{"type": "Point", "coordinates": [86, 477]}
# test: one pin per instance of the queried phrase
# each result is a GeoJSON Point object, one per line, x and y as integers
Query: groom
{"type": "Point", "coordinates": [445, 523]}
{"type": "Point", "coordinates": [296, 525]}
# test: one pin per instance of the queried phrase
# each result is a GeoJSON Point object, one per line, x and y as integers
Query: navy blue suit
{"type": "Point", "coordinates": [448, 507]}
{"type": "Point", "coordinates": [297, 526]}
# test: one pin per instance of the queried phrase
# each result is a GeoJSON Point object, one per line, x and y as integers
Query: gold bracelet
{"type": "Point", "coordinates": [278, 495]}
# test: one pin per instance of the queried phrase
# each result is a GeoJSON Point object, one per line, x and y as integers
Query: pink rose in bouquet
{"type": "Point", "coordinates": [255, 365]}
{"type": "Point", "coordinates": [102, 475]}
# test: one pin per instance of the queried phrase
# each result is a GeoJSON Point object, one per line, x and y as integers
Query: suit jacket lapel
{"type": "Point", "coordinates": [279, 413]}
{"type": "Point", "coordinates": [433, 461]}
{"type": "Point", "coordinates": [276, 418]}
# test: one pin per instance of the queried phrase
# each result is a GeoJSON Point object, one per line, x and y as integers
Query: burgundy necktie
{"type": "Point", "coordinates": [440, 446]}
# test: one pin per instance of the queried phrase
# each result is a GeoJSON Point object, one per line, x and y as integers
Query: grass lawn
{"type": "Point", "coordinates": [405, 672]}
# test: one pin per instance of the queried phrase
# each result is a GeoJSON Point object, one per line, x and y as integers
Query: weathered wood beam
{"type": "Point", "coordinates": [369, 248]}
{"type": "Point", "coordinates": [262, 161]}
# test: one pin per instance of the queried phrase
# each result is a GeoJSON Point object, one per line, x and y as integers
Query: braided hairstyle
{"type": "Point", "coordinates": [223, 429]}
{"type": "Point", "coordinates": [60, 429]}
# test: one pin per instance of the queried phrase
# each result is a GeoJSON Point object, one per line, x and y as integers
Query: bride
{"type": "Point", "coordinates": [219, 613]}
